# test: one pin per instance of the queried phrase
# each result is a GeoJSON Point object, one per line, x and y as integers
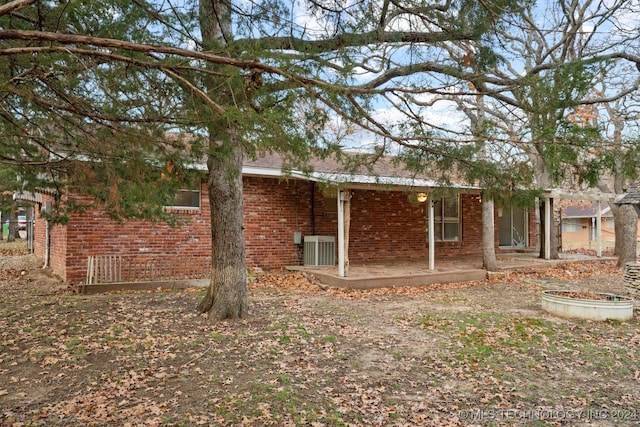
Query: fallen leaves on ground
{"type": "Point", "coordinates": [456, 354]}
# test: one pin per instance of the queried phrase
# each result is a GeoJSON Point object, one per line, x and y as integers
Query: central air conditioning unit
{"type": "Point", "coordinates": [319, 250]}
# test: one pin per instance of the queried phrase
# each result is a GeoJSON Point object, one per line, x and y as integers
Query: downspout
{"type": "Point", "coordinates": [313, 208]}
{"type": "Point", "coordinates": [47, 243]}
{"type": "Point", "coordinates": [30, 229]}
{"type": "Point", "coordinates": [46, 209]}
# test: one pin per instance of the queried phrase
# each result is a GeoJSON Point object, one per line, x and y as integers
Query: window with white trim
{"type": "Point", "coordinates": [187, 198]}
{"type": "Point", "coordinates": [446, 219]}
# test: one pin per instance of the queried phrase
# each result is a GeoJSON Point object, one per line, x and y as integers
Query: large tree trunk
{"type": "Point", "coordinates": [618, 171]}
{"type": "Point", "coordinates": [627, 225]}
{"type": "Point", "coordinates": [227, 294]}
{"type": "Point", "coordinates": [488, 235]}
{"type": "Point", "coordinates": [543, 179]}
{"type": "Point", "coordinates": [618, 234]}
{"type": "Point", "coordinates": [13, 225]}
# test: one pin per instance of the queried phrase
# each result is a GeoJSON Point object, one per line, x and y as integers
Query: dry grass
{"type": "Point", "coordinates": [484, 354]}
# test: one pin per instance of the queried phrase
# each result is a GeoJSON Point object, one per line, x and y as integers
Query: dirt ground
{"type": "Point", "coordinates": [481, 353]}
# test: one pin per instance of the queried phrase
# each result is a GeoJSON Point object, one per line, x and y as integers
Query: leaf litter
{"type": "Point", "coordinates": [457, 354]}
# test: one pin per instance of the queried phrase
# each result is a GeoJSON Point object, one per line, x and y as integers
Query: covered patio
{"type": "Point", "coordinates": [395, 273]}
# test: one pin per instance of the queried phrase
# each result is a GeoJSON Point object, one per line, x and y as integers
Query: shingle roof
{"type": "Point", "coordinates": [631, 196]}
{"type": "Point", "coordinates": [380, 166]}
{"type": "Point", "coordinates": [383, 171]}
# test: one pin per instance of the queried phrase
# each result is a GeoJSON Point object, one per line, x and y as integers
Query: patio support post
{"type": "Point", "coordinates": [599, 229]}
{"type": "Point", "coordinates": [547, 228]}
{"type": "Point", "coordinates": [346, 196]}
{"type": "Point", "coordinates": [340, 235]}
{"type": "Point", "coordinates": [344, 220]}
{"type": "Point", "coordinates": [432, 240]}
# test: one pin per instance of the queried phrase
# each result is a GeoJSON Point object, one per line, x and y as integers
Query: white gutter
{"type": "Point", "coordinates": [339, 178]}
{"type": "Point", "coordinates": [380, 180]}
{"type": "Point", "coordinates": [47, 244]}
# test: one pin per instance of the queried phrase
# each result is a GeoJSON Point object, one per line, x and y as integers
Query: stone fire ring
{"type": "Point", "coordinates": [587, 305]}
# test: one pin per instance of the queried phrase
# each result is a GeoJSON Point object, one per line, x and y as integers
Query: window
{"type": "Point", "coordinates": [331, 205]}
{"type": "Point", "coordinates": [571, 225]}
{"type": "Point", "coordinates": [186, 198]}
{"type": "Point", "coordinates": [446, 219]}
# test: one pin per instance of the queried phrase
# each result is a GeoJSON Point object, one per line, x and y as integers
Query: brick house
{"type": "Point", "coordinates": [579, 224]}
{"type": "Point", "coordinates": [281, 211]}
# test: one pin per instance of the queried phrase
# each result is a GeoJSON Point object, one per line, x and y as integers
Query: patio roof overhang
{"type": "Point", "coordinates": [346, 182]}
{"type": "Point", "coordinates": [28, 196]}
{"type": "Point", "coordinates": [591, 195]}
{"type": "Point", "coordinates": [355, 181]}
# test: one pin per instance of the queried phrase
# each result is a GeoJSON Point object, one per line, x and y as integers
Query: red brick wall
{"type": "Point", "coordinates": [58, 248]}
{"type": "Point", "coordinates": [271, 218]}
{"type": "Point", "coordinates": [273, 211]}
{"type": "Point", "coordinates": [57, 240]}
{"type": "Point", "coordinates": [384, 225]}
{"type": "Point", "coordinates": [39, 233]}
{"type": "Point", "coordinates": [93, 233]}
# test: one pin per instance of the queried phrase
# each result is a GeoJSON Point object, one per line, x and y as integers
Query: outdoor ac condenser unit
{"type": "Point", "coordinates": [319, 250]}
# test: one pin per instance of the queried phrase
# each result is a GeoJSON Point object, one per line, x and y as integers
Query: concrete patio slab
{"type": "Point", "coordinates": [371, 275]}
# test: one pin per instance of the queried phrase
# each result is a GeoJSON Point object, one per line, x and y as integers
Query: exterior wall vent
{"type": "Point", "coordinates": [319, 250]}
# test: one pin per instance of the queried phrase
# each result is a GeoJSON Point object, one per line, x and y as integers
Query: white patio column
{"type": "Point", "coordinates": [432, 239]}
{"type": "Point", "coordinates": [341, 270]}
{"type": "Point", "coordinates": [547, 228]}
{"type": "Point", "coordinates": [599, 229]}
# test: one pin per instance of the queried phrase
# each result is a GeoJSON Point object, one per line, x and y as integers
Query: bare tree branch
{"type": "Point", "coordinates": [14, 5]}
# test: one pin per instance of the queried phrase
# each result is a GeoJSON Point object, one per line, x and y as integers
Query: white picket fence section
{"type": "Point", "coordinates": [102, 269]}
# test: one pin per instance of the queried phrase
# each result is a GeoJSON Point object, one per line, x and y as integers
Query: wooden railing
{"type": "Point", "coordinates": [102, 269]}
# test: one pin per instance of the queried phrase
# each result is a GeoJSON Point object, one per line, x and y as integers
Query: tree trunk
{"type": "Point", "coordinates": [13, 225]}
{"type": "Point", "coordinates": [488, 235]}
{"type": "Point", "coordinates": [227, 294]}
{"type": "Point", "coordinates": [543, 227]}
{"type": "Point", "coordinates": [627, 223]}
{"type": "Point", "coordinates": [618, 235]}
{"type": "Point", "coordinates": [553, 238]}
